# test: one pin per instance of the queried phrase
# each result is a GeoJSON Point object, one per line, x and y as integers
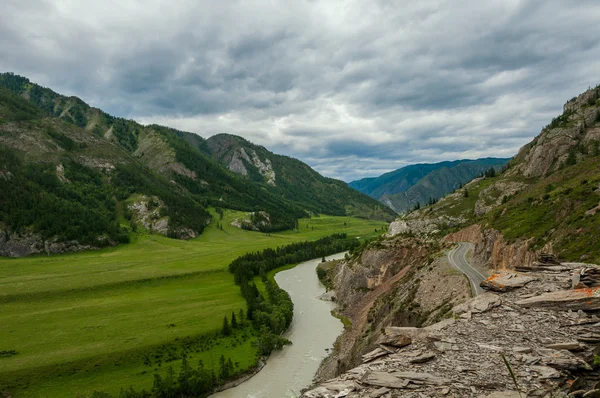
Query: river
{"type": "Point", "coordinates": [313, 330]}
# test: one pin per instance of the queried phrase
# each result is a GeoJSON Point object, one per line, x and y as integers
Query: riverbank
{"type": "Point", "coordinates": [146, 299]}
{"type": "Point", "coordinates": [312, 332]}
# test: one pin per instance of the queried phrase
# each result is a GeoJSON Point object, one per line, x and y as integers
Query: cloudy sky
{"type": "Point", "coordinates": [353, 88]}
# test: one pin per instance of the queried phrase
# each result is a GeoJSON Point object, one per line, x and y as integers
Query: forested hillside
{"type": "Point", "coordinates": [75, 177]}
{"type": "Point", "coordinates": [418, 184]}
{"type": "Point", "coordinates": [290, 178]}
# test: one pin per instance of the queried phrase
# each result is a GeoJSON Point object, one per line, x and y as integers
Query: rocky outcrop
{"type": "Point", "coordinates": [421, 226]}
{"type": "Point", "coordinates": [236, 164]}
{"type": "Point", "coordinates": [255, 221]}
{"type": "Point", "coordinates": [492, 196]}
{"type": "Point", "coordinates": [147, 211]}
{"type": "Point", "coordinates": [24, 244]}
{"type": "Point", "coordinates": [578, 127]}
{"type": "Point", "coordinates": [548, 349]}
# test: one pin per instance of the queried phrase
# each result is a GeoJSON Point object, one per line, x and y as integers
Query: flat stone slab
{"type": "Point", "coordinates": [579, 299]}
{"type": "Point", "coordinates": [505, 281]}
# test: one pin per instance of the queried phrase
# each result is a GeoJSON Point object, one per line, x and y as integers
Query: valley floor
{"type": "Point", "coordinates": [111, 318]}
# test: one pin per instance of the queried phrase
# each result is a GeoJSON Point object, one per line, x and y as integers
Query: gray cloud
{"type": "Point", "coordinates": [354, 89]}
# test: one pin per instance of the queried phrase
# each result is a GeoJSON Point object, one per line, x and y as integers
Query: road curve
{"type": "Point", "coordinates": [458, 258]}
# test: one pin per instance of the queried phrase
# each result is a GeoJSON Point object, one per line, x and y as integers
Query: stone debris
{"type": "Point", "coordinates": [547, 332]}
{"type": "Point", "coordinates": [589, 277]}
{"type": "Point", "coordinates": [479, 304]}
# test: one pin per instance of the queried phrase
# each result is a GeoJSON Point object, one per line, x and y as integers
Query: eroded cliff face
{"type": "Point", "coordinates": [493, 251]}
{"type": "Point", "coordinates": [534, 336]}
{"type": "Point", "coordinates": [394, 282]}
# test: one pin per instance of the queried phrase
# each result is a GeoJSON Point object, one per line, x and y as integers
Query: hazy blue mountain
{"type": "Point", "coordinates": [403, 188]}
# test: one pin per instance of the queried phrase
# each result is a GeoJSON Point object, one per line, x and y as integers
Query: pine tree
{"type": "Point", "coordinates": [241, 317]}
{"type": "Point", "coordinates": [234, 323]}
{"type": "Point", "coordinates": [226, 328]}
{"type": "Point", "coordinates": [223, 367]}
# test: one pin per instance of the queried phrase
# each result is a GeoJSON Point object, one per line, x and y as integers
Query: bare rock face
{"type": "Point", "coordinates": [27, 243]}
{"type": "Point", "coordinates": [236, 165]}
{"type": "Point", "coordinates": [421, 226]}
{"type": "Point", "coordinates": [551, 148]}
{"type": "Point", "coordinates": [265, 168]}
{"type": "Point", "coordinates": [492, 249]}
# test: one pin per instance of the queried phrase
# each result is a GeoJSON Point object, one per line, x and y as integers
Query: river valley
{"type": "Point", "coordinates": [312, 332]}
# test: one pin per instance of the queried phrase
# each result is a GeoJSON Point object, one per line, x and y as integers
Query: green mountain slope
{"type": "Point", "coordinates": [439, 182]}
{"type": "Point", "coordinates": [291, 179]}
{"type": "Point", "coordinates": [79, 161]}
{"type": "Point", "coordinates": [402, 189]}
{"type": "Point", "coordinates": [398, 180]}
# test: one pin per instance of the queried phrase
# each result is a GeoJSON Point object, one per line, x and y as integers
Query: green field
{"type": "Point", "coordinates": [108, 319]}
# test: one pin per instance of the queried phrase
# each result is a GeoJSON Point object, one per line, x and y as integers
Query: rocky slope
{"type": "Point", "coordinates": [393, 281]}
{"type": "Point", "coordinates": [538, 330]}
{"type": "Point", "coordinates": [542, 318]}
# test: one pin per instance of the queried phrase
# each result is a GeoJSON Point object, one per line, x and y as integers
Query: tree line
{"type": "Point", "coordinates": [270, 316]}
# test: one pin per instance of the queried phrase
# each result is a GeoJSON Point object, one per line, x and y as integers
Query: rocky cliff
{"type": "Point", "coordinates": [542, 207]}
{"type": "Point", "coordinates": [395, 281]}
{"type": "Point", "coordinates": [537, 338]}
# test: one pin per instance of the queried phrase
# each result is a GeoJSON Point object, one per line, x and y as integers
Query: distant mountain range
{"type": "Point", "coordinates": [408, 186]}
{"type": "Point", "coordinates": [73, 176]}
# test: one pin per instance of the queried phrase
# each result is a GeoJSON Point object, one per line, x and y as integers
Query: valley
{"type": "Point", "coordinates": [86, 321]}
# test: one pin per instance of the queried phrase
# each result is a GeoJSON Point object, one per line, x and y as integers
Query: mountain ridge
{"type": "Point", "coordinates": [48, 132]}
{"type": "Point", "coordinates": [418, 184]}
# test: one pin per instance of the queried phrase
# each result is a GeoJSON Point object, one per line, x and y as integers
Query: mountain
{"type": "Point", "coordinates": [402, 189]}
{"type": "Point", "coordinates": [528, 235]}
{"type": "Point", "coordinates": [290, 178]}
{"type": "Point", "coordinates": [75, 177]}
{"type": "Point", "coordinates": [547, 199]}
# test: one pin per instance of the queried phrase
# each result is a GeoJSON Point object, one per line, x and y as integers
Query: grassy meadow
{"type": "Point", "coordinates": [108, 319]}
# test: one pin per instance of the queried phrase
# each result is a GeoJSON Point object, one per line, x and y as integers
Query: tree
{"type": "Point", "coordinates": [466, 193]}
{"type": "Point", "coordinates": [226, 328]}
{"type": "Point", "coordinates": [241, 317]}
{"type": "Point", "coordinates": [234, 323]}
{"type": "Point", "coordinates": [223, 368]}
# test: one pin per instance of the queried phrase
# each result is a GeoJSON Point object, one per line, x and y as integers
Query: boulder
{"type": "Point", "coordinates": [505, 281]}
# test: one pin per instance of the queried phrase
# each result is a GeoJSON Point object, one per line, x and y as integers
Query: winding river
{"type": "Point", "coordinates": [312, 332]}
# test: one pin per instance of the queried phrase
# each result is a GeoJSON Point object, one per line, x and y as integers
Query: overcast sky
{"type": "Point", "coordinates": [353, 88]}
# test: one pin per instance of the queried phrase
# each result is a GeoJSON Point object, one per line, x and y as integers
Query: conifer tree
{"type": "Point", "coordinates": [226, 328]}
{"type": "Point", "coordinates": [234, 323]}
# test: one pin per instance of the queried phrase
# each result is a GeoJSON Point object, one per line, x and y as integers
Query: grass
{"type": "Point", "coordinates": [554, 209]}
{"type": "Point", "coordinates": [89, 321]}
